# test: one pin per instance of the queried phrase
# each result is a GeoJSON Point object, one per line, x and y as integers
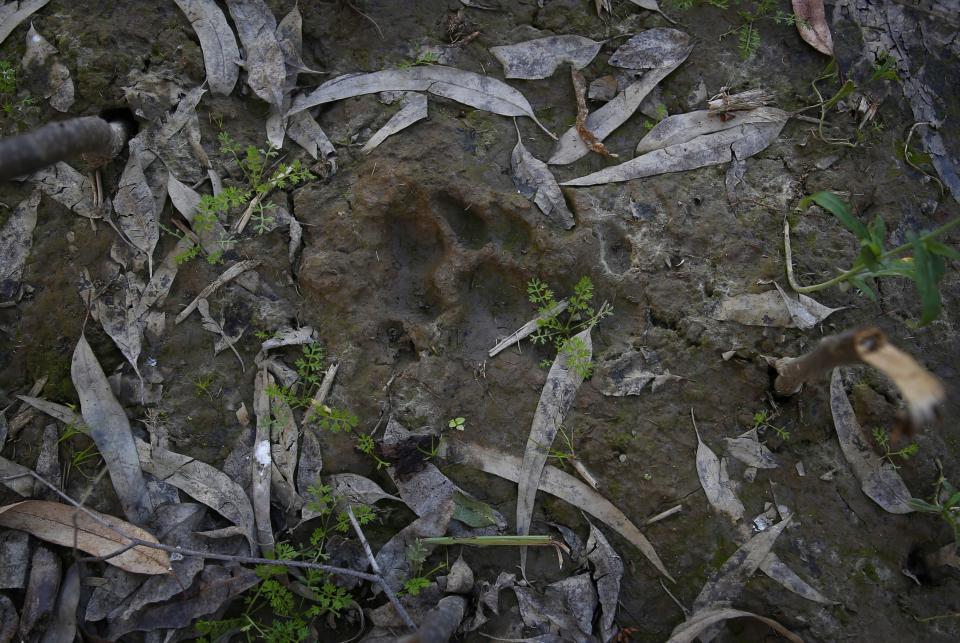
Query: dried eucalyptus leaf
{"type": "Point", "coordinates": [13, 13]}
{"type": "Point", "coordinates": [878, 478]}
{"type": "Point", "coordinates": [67, 187]}
{"type": "Point", "coordinates": [681, 128]}
{"type": "Point", "coordinates": [627, 375]}
{"type": "Point", "coordinates": [774, 308]}
{"type": "Point", "coordinates": [136, 209]}
{"type": "Point", "coordinates": [739, 142]}
{"type": "Point", "coordinates": [42, 589]}
{"type": "Point", "coordinates": [527, 329]}
{"type": "Point", "coordinates": [480, 92]}
{"type": "Point", "coordinates": [413, 108]}
{"type": "Point", "coordinates": [220, 51]}
{"type": "Point", "coordinates": [749, 451]}
{"type": "Point", "coordinates": [534, 181]}
{"type": "Point", "coordinates": [556, 399]}
{"type": "Point", "coordinates": [186, 200]}
{"type": "Point", "coordinates": [392, 557]}
{"type": "Point", "coordinates": [16, 240]}
{"type": "Point", "coordinates": [45, 73]}
{"type": "Point", "coordinates": [230, 273]}
{"type": "Point", "coordinates": [117, 312]}
{"type": "Point", "coordinates": [157, 290]}
{"type": "Point", "coordinates": [690, 629]}
{"type": "Point", "coordinates": [812, 25]}
{"type": "Point", "coordinates": [14, 558]}
{"type": "Point", "coordinates": [607, 573]}
{"type": "Point", "coordinates": [63, 628]}
{"type": "Point", "coordinates": [263, 57]}
{"type": "Point", "coordinates": [567, 605]}
{"type": "Point", "coordinates": [22, 484]}
{"type": "Point", "coordinates": [777, 570]}
{"type": "Point", "coordinates": [539, 58]}
{"type": "Point", "coordinates": [716, 485]}
{"type": "Point", "coordinates": [805, 311]}
{"type": "Point", "coordinates": [354, 488]}
{"type": "Point", "coordinates": [284, 438]}
{"type": "Point", "coordinates": [110, 430]}
{"type": "Point", "coordinates": [652, 49]}
{"type": "Point", "coordinates": [48, 464]}
{"type": "Point", "coordinates": [262, 462]}
{"type": "Point", "coordinates": [304, 130]}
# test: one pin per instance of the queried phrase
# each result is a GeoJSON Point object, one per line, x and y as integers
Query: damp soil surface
{"type": "Point", "coordinates": [416, 260]}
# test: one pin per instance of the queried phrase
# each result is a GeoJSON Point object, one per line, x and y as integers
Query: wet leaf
{"type": "Point", "coordinates": [774, 308]}
{"type": "Point", "coordinates": [556, 483]}
{"type": "Point", "coordinates": [534, 181]}
{"type": "Point", "coordinates": [480, 92]}
{"type": "Point", "coordinates": [777, 570]}
{"type": "Point", "coordinates": [42, 588]}
{"type": "Point", "coordinates": [556, 399]}
{"type": "Point", "coordinates": [812, 25]}
{"type": "Point", "coordinates": [304, 130]}
{"type": "Point", "coordinates": [652, 49]}
{"type": "Point", "coordinates": [739, 142]}
{"type": "Point", "coordinates": [201, 482]}
{"type": "Point", "coordinates": [48, 464]}
{"type": "Point", "coordinates": [354, 488]}
{"type": "Point", "coordinates": [213, 326]}
{"type": "Point", "coordinates": [749, 451]}
{"type": "Point", "coordinates": [311, 463]}
{"type": "Point", "coordinates": [63, 629]}
{"type": "Point", "coordinates": [715, 482]}
{"type": "Point", "coordinates": [176, 141]}
{"type": "Point", "coordinates": [110, 430]}
{"type": "Point", "coordinates": [54, 523]}
{"type": "Point", "coordinates": [156, 291]}
{"type": "Point", "coordinates": [220, 51]}
{"type": "Point", "coordinates": [263, 57]}
{"type": "Point", "coordinates": [607, 573]}
{"type": "Point", "coordinates": [136, 209]}
{"type": "Point", "coordinates": [689, 630]}
{"type": "Point", "coordinates": [230, 273]}
{"type": "Point", "coordinates": [539, 58]}
{"type": "Point", "coordinates": [67, 187]}
{"type": "Point", "coordinates": [878, 478]}
{"type": "Point", "coordinates": [13, 13]}
{"type": "Point", "coordinates": [16, 240]}
{"type": "Point", "coordinates": [413, 108]}
{"type": "Point", "coordinates": [44, 72]}
{"type": "Point", "coordinates": [612, 115]}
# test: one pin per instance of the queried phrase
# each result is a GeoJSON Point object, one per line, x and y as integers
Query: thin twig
{"type": "Point", "coordinates": [379, 31]}
{"type": "Point", "coordinates": [376, 570]}
{"type": "Point", "coordinates": [906, 154]}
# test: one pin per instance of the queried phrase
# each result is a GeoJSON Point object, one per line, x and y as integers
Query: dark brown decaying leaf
{"type": "Point", "coordinates": [220, 52]}
{"type": "Point", "coordinates": [110, 430]}
{"type": "Point", "coordinates": [813, 26]}
{"type": "Point", "coordinates": [534, 181]}
{"type": "Point", "coordinates": [534, 59]}
{"type": "Point", "coordinates": [213, 326]}
{"type": "Point", "coordinates": [568, 605]}
{"type": "Point", "coordinates": [54, 522]}
{"type": "Point", "coordinates": [878, 477]}
{"type": "Point", "coordinates": [16, 240]}
{"type": "Point", "coordinates": [13, 13]}
{"type": "Point", "coordinates": [42, 590]}
{"type": "Point", "coordinates": [580, 92]}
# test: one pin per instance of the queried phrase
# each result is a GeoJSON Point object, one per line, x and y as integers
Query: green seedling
{"type": "Point", "coordinates": [459, 424]}
{"type": "Point", "coordinates": [882, 438]}
{"type": "Point", "coordinates": [945, 503]}
{"type": "Point", "coordinates": [925, 266]}
{"type": "Point", "coordinates": [417, 554]}
{"type": "Point", "coordinates": [202, 384]}
{"type": "Point", "coordinates": [761, 422]}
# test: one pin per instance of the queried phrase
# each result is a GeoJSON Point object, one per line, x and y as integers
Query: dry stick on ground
{"type": "Point", "coordinates": [376, 570]}
{"type": "Point", "coordinates": [32, 151]}
{"type": "Point", "coordinates": [250, 560]}
{"type": "Point", "coordinates": [580, 91]}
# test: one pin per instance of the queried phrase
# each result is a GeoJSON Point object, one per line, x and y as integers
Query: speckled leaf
{"type": "Point", "coordinates": [539, 58]}
{"type": "Point", "coordinates": [42, 589]}
{"type": "Point", "coordinates": [652, 49]}
{"type": "Point", "coordinates": [13, 13]}
{"type": "Point", "coordinates": [392, 557]}
{"type": "Point", "coordinates": [681, 128]}
{"type": "Point", "coordinates": [110, 430]}
{"type": "Point", "coordinates": [220, 51]}
{"type": "Point", "coordinates": [16, 240]}
{"type": "Point", "coordinates": [878, 478]}
{"type": "Point", "coordinates": [535, 182]}
{"type": "Point", "coordinates": [213, 326]}
{"type": "Point", "coordinates": [117, 313]}
{"type": "Point", "coordinates": [67, 187]}
{"type": "Point", "coordinates": [136, 209]}
{"type": "Point", "coordinates": [351, 487]}
{"type": "Point", "coordinates": [263, 57]}
{"type": "Point", "coordinates": [413, 108]}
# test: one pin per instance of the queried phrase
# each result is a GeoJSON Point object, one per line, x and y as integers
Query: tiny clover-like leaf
{"type": "Point", "coordinates": [457, 423]}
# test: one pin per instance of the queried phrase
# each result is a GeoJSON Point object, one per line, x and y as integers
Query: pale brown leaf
{"type": "Point", "coordinates": [813, 26]}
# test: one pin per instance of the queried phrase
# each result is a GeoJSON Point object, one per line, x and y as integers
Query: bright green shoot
{"type": "Point", "coordinates": [925, 265]}
{"type": "Point", "coordinates": [882, 438]}
{"type": "Point", "coordinates": [459, 423]}
{"type": "Point", "coordinates": [945, 503]}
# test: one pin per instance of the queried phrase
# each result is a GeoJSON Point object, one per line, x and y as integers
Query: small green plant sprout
{"type": "Point", "coordinates": [8, 78]}
{"type": "Point", "coordinates": [202, 384]}
{"type": "Point", "coordinates": [882, 438]}
{"type": "Point", "coordinates": [423, 58]}
{"type": "Point", "coordinates": [458, 423]}
{"type": "Point", "coordinates": [366, 444]}
{"type": "Point", "coordinates": [310, 365]}
{"type": "Point", "coordinates": [945, 503]}
{"type": "Point", "coordinates": [762, 422]}
{"type": "Point", "coordinates": [925, 266]}
{"type": "Point", "coordinates": [558, 324]}
{"type": "Point", "coordinates": [331, 419]}
{"type": "Point", "coordinates": [885, 68]}
{"type": "Point", "coordinates": [417, 554]}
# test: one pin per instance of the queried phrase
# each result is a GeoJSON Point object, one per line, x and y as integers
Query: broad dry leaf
{"type": "Point", "coordinates": [392, 557]}
{"type": "Point", "coordinates": [110, 430]}
{"type": "Point", "coordinates": [480, 92]}
{"type": "Point", "coordinates": [556, 399]}
{"type": "Point", "coordinates": [556, 483]}
{"type": "Point", "coordinates": [534, 59]}
{"type": "Point", "coordinates": [690, 629]}
{"type": "Point", "coordinates": [158, 288]}
{"type": "Point", "coordinates": [16, 240]}
{"type": "Point", "coordinates": [213, 236]}
{"type": "Point", "coordinates": [652, 49]}
{"type": "Point", "coordinates": [136, 209]}
{"type": "Point", "coordinates": [16, 477]}
{"type": "Point", "coordinates": [812, 25]}
{"type": "Point", "coordinates": [262, 56]}
{"type": "Point", "coordinates": [628, 375]}
{"type": "Point", "coordinates": [67, 187]}
{"type": "Point", "coordinates": [739, 142]}
{"type": "Point", "coordinates": [117, 313]}
{"type": "Point", "coordinates": [770, 308]}
{"type": "Point", "coordinates": [304, 130]}
{"type": "Point", "coordinates": [680, 128]}
{"type": "Point", "coordinates": [220, 51]}
{"type": "Point", "coordinates": [716, 484]}
{"type": "Point", "coordinates": [54, 523]}
{"type": "Point", "coordinates": [284, 439]}
{"type": "Point", "coordinates": [413, 108]}
{"type": "Point", "coordinates": [534, 181]}
{"type": "Point", "coordinates": [45, 73]}
{"type": "Point", "coordinates": [566, 606]}
{"type": "Point", "coordinates": [778, 570]}
{"type": "Point", "coordinates": [878, 478]}
{"type": "Point", "coordinates": [354, 488]}
{"type": "Point", "coordinates": [42, 590]}
{"type": "Point", "coordinates": [201, 482]}
{"type": "Point", "coordinates": [607, 573]}
{"type": "Point", "coordinates": [527, 329]}
{"type": "Point", "coordinates": [612, 115]}
{"type": "Point", "coordinates": [749, 451]}
{"type": "Point", "coordinates": [13, 13]}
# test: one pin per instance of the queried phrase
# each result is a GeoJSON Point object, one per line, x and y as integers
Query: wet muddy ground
{"type": "Point", "coordinates": [416, 261]}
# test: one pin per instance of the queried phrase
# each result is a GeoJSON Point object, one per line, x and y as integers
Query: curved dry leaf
{"type": "Point", "coordinates": [392, 557]}
{"type": "Point", "coordinates": [480, 92]}
{"type": "Point", "coordinates": [13, 13]}
{"type": "Point", "coordinates": [220, 51]}
{"type": "Point", "coordinates": [539, 58]}
{"type": "Point", "coordinates": [680, 128]}
{"type": "Point", "coordinates": [878, 478]}
{"type": "Point", "coordinates": [412, 109]}
{"type": "Point", "coordinates": [649, 5]}
{"type": "Point", "coordinates": [556, 483]}
{"type": "Point", "coordinates": [304, 130]}
{"type": "Point", "coordinates": [54, 523]}
{"type": "Point", "coordinates": [751, 452]}
{"type": "Point", "coordinates": [284, 438]}
{"type": "Point", "coordinates": [158, 288]}
{"type": "Point", "coordinates": [201, 482]}
{"type": "Point", "coordinates": [534, 181]}
{"type": "Point", "coordinates": [805, 311]}
{"type": "Point", "coordinates": [110, 430]}
{"type": "Point", "coordinates": [63, 629]}
{"type": "Point", "coordinates": [67, 187]}
{"type": "Point", "coordinates": [607, 572]}
{"type": "Point", "coordinates": [652, 49]}
{"type": "Point", "coordinates": [770, 308]}
{"type": "Point", "coordinates": [136, 209]}
{"type": "Point", "coordinates": [716, 484]}
{"type": "Point", "coordinates": [213, 236]}
{"type": "Point", "coordinates": [263, 57]}
{"type": "Point", "coordinates": [739, 142]}
{"type": "Point", "coordinates": [612, 115]}
{"type": "Point", "coordinates": [353, 488]}
{"type": "Point", "coordinates": [557, 397]}
{"type": "Point", "coordinates": [777, 570]}
{"type": "Point", "coordinates": [812, 25]}
{"type": "Point", "coordinates": [117, 313]}
{"type": "Point", "coordinates": [687, 631]}
{"type": "Point", "coordinates": [47, 74]}
{"type": "Point", "coordinates": [16, 240]}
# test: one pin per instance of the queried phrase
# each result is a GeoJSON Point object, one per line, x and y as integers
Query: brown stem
{"type": "Point", "coordinates": [32, 151]}
{"type": "Point", "coordinates": [837, 350]}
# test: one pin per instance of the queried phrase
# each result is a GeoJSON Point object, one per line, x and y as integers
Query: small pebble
{"type": "Point", "coordinates": [623, 457]}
